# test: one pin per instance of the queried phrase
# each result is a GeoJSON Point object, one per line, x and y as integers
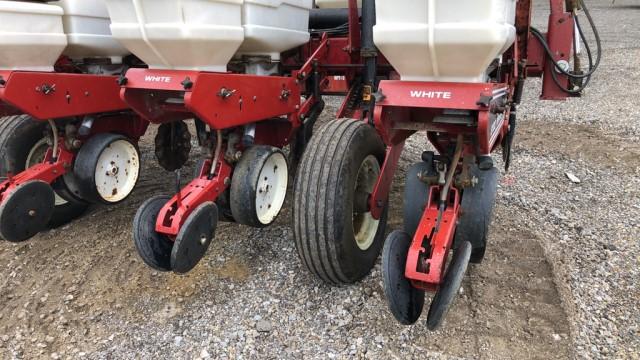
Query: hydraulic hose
{"type": "Point", "coordinates": [593, 66]}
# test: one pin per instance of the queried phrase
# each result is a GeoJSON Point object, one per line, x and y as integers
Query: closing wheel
{"type": "Point", "coordinates": [26, 211]}
{"type": "Point", "coordinates": [106, 169]}
{"type": "Point", "coordinates": [405, 301]}
{"type": "Point", "coordinates": [194, 238]}
{"type": "Point", "coordinates": [153, 248]}
{"type": "Point", "coordinates": [259, 186]}
{"type": "Point", "coordinates": [22, 145]}
{"type": "Point", "coordinates": [450, 286]}
{"type": "Point", "coordinates": [476, 212]}
{"type": "Point", "coordinates": [336, 237]}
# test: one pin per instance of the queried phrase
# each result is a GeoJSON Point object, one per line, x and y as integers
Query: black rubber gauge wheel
{"type": "Point", "coordinates": [336, 236]}
{"type": "Point", "coordinates": [106, 169]}
{"type": "Point", "coordinates": [259, 186]}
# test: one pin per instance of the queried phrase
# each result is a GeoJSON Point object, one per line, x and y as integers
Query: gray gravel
{"type": "Point", "coordinates": [560, 279]}
{"type": "Point", "coordinates": [590, 230]}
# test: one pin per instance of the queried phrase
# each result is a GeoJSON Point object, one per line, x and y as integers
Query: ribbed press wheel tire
{"type": "Point", "coordinates": [18, 135]}
{"type": "Point", "coordinates": [324, 199]}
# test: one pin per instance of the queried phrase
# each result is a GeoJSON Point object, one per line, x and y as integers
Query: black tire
{"type": "Point", "coordinates": [18, 135]}
{"type": "Point", "coordinates": [84, 169]}
{"type": "Point", "coordinates": [416, 194]}
{"type": "Point", "coordinates": [405, 301]}
{"type": "Point", "coordinates": [154, 249]}
{"type": "Point", "coordinates": [194, 238]}
{"type": "Point", "coordinates": [245, 184]}
{"type": "Point", "coordinates": [476, 212]}
{"type": "Point", "coordinates": [444, 298]}
{"type": "Point", "coordinates": [323, 206]}
{"type": "Point", "coordinates": [26, 211]}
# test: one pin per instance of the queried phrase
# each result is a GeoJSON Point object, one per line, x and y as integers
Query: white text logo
{"type": "Point", "coordinates": [160, 79]}
{"type": "Point", "coordinates": [430, 94]}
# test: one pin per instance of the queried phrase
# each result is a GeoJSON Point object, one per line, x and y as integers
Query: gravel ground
{"type": "Point", "coordinates": [559, 281]}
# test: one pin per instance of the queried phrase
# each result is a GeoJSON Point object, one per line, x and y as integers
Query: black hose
{"type": "Point", "coordinates": [592, 66]}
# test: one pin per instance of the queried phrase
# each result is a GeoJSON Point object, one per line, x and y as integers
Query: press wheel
{"type": "Point", "coordinates": [450, 286]}
{"type": "Point", "coordinates": [405, 301]}
{"type": "Point", "coordinates": [26, 211]}
{"type": "Point", "coordinates": [194, 238]}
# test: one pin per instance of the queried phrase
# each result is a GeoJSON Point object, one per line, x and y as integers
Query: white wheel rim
{"type": "Point", "coordinates": [36, 156]}
{"type": "Point", "coordinates": [272, 188]}
{"type": "Point", "coordinates": [117, 171]}
{"type": "Point", "coordinates": [365, 226]}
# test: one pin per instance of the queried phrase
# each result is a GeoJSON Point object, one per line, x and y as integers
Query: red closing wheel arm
{"type": "Point", "coordinates": [429, 249]}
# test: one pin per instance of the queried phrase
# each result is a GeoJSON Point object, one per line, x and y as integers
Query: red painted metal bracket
{"type": "Point", "coordinates": [435, 95]}
{"type": "Point", "coordinates": [428, 253]}
{"type": "Point", "coordinates": [47, 171]}
{"type": "Point", "coordinates": [560, 38]}
{"type": "Point", "coordinates": [46, 95]}
{"type": "Point", "coordinates": [221, 100]}
{"type": "Point", "coordinates": [380, 195]}
{"type": "Point", "coordinates": [200, 190]}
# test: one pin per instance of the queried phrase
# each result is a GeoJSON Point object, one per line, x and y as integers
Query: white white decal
{"type": "Point", "coordinates": [159, 79]}
{"type": "Point", "coordinates": [430, 94]}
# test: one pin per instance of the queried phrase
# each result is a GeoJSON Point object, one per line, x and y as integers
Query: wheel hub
{"type": "Point", "coordinates": [114, 170]}
{"type": "Point", "coordinates": [272, 188]}
{"type": "Point", "coordinates": [117, 171]}
{"type": "Point", "coordinates": [365, 226]}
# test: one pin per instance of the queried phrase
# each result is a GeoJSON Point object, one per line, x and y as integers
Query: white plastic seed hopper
{"type": "Point", "coordinates": [206, 34]}
{"type": "Point", "coordinates": [31, 36]}
{"type": "Point", "coordinates": [431, 40]}
{"type": "Point", "coordinates": [86, 23]}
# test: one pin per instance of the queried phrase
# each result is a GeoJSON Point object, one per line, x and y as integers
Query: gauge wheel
{"type": "Point", "coordinates": [259, 186]}
{"type": "Point", "coordinates": [106, 169]}
{"type": "Point", "coordinates": [335, 234]}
